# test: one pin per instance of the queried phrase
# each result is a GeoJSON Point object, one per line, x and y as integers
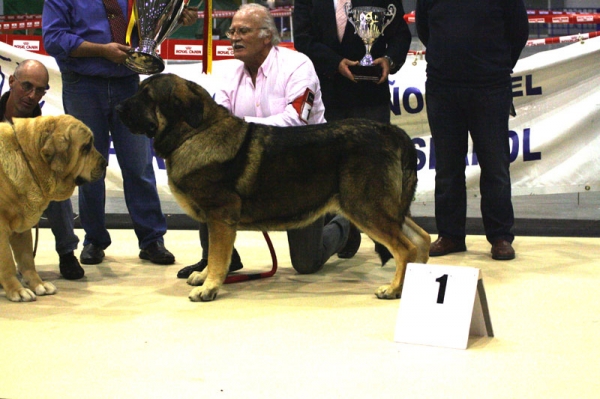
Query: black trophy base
{"type": "Point", "coordinates": [372, 72]}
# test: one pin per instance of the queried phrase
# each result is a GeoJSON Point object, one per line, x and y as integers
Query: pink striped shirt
{"type": "Point", "coordinates": [282, 80]}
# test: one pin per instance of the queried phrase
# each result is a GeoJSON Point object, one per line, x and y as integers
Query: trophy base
{"type": "Point", "coordinates": [371, 73]}
{"type": "Point", "coordinates": [144, 63]}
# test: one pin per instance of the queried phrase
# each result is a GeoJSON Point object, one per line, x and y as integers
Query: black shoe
{"type": "Point", "coordinates": [70, 268]}
{"type": "Point", "coordinates": [352, 244]}
{"type": "Point", "coordinates": [234, 266]}
{"type": "Point", "coordinates": [196, 267]}
{"type": "Point", "coordinates": [157, 253]}
{"type": "Point", "coordinates": [91, 255]}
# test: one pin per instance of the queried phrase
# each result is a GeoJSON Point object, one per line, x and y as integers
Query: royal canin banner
{"type": "Point", "coordinates": [554, 139]}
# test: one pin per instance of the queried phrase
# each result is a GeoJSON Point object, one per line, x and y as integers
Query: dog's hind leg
{"type": "Point", "coordinates": [221, 237]}
{"type": "Point", "coordinates": [403, 253]}
{"type": "Point", "coordinates": [419, 237]}
{"type": "Point", "coordinates": [403, 250]}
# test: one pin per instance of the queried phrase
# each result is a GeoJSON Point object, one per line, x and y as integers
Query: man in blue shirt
{"type": "Point", "coordinates": [78, 35]}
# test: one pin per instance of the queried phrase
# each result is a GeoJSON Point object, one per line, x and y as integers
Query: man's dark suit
{"type": "Point", "coordinates": [315, 34]}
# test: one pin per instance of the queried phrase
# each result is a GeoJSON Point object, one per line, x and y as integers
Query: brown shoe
{"type": "Point", "coordinates": [444, 246]}
{"type": "Point", "coordinates": [502, 250]}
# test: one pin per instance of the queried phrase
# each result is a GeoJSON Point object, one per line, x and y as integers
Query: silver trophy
{"type": "Point", "coordinates": [369, 23]}
{"type": "Point", "coordinates": [156, 19]}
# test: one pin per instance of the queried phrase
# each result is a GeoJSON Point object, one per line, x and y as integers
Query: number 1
{"type": "Point", "coordinates": [443, 280]}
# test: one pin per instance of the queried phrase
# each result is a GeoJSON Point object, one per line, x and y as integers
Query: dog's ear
{"type": "Point", "coordinates": [194, 113]}
{"type": "Point", "coordinates": [54, 151]}
{"type": "Point", "coordinates": [45, 139]}
{"type": "Point", "coordinates": [48, 150]}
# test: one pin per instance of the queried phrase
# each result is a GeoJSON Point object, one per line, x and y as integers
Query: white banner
{"type": "Point", "coordinates": [555, 137]}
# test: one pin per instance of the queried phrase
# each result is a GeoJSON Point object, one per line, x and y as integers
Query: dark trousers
{"type": "Point", "coordinates": [60, 219]}
{"type": "Point", "coordinates": [453, 114]}
{"type": "Point", "coordinates": [310, 246]}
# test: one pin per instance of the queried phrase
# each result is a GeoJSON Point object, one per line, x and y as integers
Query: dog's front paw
{"type": "Point", "coordinates": [21, 295]}
{"type": "Point", "coordinates": [387, 292]}
{"type": "Point", "coordinates": [203, 294]}
{"type": "Point", "coordinates": [45, 288]}
{"type": "Point", "coordinates": [197, 278]}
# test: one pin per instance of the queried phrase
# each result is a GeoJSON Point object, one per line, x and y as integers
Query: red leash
{"type": "Point", "coordinates": [237, 278]}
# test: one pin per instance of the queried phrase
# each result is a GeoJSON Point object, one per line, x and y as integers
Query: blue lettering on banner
{"type": "Point", "coordinates": [515, 146]}
{"type": "Point", "coordinates": [527, 154]}
{"type": "Point", "coordinates": [410, 91]}
{"type": "Point", "coordinates": [421, 157]}
{"type": "Point", "coordinates": [517, 83]}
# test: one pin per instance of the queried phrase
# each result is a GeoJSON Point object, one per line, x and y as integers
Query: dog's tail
{"type": "Point", "coordinates": [409, 174]}
{"type": "Point", "coordinates": [408, 164]}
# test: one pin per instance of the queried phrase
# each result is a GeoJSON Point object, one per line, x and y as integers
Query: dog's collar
{"type": "Point", "coordinates": [25, 157]}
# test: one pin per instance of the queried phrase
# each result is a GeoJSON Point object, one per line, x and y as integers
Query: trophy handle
{"type": "Point", "coordinates": [174, 18]}
{"type": "Point", "coordinates": [390, 12]}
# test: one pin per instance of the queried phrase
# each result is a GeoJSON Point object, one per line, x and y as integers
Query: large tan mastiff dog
{"type": "Point", "coordinates": [237, 175]}
{"type": "Point", "coordinates": [42, 159]}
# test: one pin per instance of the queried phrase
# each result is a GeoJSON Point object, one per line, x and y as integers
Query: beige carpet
{"type": "Point", "coordinates": [128, 330]}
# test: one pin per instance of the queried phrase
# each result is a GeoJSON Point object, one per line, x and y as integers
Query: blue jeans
{"type": "Point", "coordinates": [60, 219]}
{"type": "Point", "coordinates": [453, 113]}
{"type": "Point", "coordinates": [93, 101]}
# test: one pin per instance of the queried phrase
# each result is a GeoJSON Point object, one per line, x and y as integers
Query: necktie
{"type": "Point", "coordinates": [116, 20]}
{"type": "Point", "coordinates": [341, 18]}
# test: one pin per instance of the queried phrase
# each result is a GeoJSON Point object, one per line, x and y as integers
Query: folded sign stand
{"type": "Point", "coordinates": [442, 306]}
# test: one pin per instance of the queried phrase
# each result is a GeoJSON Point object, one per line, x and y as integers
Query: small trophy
{"type": "Point", "coordinates": [156, 19]}
{"type": "Point", "coordinates": [369, 24]}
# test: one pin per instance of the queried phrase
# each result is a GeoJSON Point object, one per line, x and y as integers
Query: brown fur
{"type": "Point", "coordinates": [234, 175]}
{"type": "Point", "coordinates": [60, 152]}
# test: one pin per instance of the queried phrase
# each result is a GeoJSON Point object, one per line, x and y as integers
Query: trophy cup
{"type": "Point", "coordinates": [368, 24]}
{"type": "Point", "coordinates": [156, 19]}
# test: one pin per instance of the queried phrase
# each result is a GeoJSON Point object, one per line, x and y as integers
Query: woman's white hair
{"type": "Point", "coordinates": [266, 20]}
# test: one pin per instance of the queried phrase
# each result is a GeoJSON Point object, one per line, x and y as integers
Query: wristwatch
{"type": "Point", "coordinates": [391, 61]}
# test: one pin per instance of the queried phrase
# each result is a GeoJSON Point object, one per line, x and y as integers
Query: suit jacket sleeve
{"type": "Point", "coordinates": [399, 36]}
{"type": "Point", "coordinates": [311, 34]}
{"type": "Point", "coordinates": [421, 22]}
{"type": "Point", "coordinates": [517, 28]}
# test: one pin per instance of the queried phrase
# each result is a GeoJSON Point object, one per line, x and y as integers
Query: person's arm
{"type": "Point", "coordinates": [114, 52]}
{"type": "Point", "coordinates": [517, 28]}
{"type": "Point", "coordinates": [308, 39]}
{"type": "Point", "coordinates": [422, 22]}
{"type": "Point", "coordinates": [302, 79]}
{"type": "Point", "coordinates": [398, 38]}
{"type": "Point", "coordinates": [61, 42]}
{"type": "Point", "coordinates": [189, 16]}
